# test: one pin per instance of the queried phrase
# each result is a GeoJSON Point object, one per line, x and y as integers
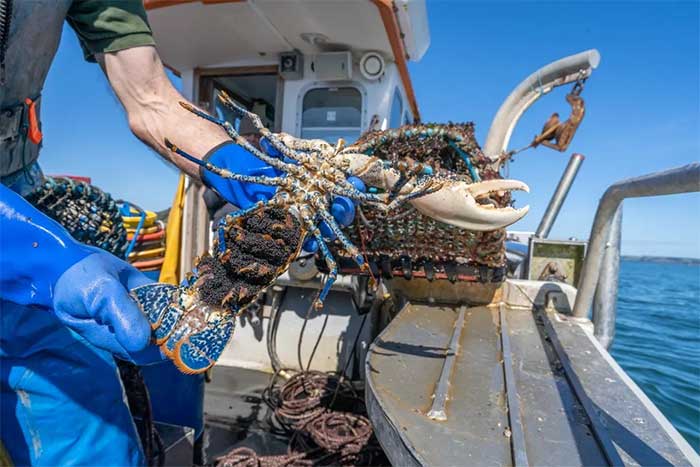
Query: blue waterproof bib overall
{"type": "Point", "coordinates": [61, 400]}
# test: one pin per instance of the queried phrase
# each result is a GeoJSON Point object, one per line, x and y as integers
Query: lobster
{"type": "Point", "coordinates": [193, 323]}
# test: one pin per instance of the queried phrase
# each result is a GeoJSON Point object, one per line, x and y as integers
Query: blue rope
{"type": "Point", "coordinates": [139, 226]}
{"type": "Point", "coordinates": [472, 171]}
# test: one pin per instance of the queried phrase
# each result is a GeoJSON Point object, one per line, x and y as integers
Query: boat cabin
{"type": "Point", "coordinates": [311, 69]}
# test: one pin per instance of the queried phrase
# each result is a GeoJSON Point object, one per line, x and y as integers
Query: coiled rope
{"type": "Point", "coordinates": [320, 435]}
{"type": "Point", "coordinates": [323, 416]}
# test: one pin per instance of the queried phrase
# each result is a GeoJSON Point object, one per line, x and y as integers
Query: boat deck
{"type": "Point", "coordinates": [508, 386]}
{"type": "Point", "coordinates": [235, 412]}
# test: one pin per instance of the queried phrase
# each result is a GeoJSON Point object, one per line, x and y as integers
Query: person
{"type": "Point", "coordinates": [65, 308]}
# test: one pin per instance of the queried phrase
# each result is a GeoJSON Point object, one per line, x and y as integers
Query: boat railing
{"type": "Point", "coordinates": [597, 287]}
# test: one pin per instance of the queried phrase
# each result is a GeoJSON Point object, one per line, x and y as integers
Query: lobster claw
{"type": "Point", "coordinates": [192, 334]}
{"type": "Point", "coordinates": [467, 205]}
{"type": "Point", "coordinates": [462, 204]}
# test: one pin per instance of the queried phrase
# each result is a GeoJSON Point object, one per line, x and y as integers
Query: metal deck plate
{"type": "Point", "coordinates": [570, 404]}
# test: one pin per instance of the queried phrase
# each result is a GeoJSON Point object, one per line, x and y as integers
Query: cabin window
{"type": "Point", "coordinates": [396, 110]}
{"type": "Point", "coordinates": [331, 114]}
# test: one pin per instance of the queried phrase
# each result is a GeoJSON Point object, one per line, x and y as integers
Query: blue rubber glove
{"type": "Point", "coordinates": [88, 289]}
{"type": "Point", "coordinates": [343, 210]}
{"type": "Point", "coordinates": [233, 157]}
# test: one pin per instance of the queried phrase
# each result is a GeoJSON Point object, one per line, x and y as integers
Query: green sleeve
{"type": "Point", "coordinates": [109, 25]}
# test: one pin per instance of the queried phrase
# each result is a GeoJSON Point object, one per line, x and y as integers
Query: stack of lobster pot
{"type": "Point", "coordinates": [89, 214]}
{"type": "Point", "coordinates": [146, 240]}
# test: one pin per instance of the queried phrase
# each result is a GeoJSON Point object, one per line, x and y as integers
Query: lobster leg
{"type": "Point", "coordinates": [424, 188]}
{"type": "Point", "coordinates": [325, 253]}
{"type": "Point", "coordinates": [304, 158]}
{"type": "Point", "coordinates": [381, 200]}
{"type": "Point", "coordinates": [261, 179]}
{"type": "Point", "coordinates": [347, 244]}
{"type": "Point", "coordinates": [238, 139]}
{"type": "Point", "coordinates": [406, 175]}
{"type": "Point", "coordinates": [332, 267]}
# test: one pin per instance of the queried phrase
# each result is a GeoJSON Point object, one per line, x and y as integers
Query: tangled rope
{"type": "Point", "coordinates": [246, 457]}
{"type": "Point", "coordinates": [319, 434]}
{"type": "Point", "coordinates": [340, 431]}
{"type": "Point", "coordinates": [302, 398]}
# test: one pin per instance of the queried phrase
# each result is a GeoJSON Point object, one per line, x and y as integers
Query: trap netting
{"type": "Point", "coordinates": [406, 243]}
{"type": "Point", "coordinates": [89, 214]}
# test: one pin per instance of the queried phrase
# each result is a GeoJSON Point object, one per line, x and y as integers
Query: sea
{"type": "Point", "coordinates": [657, 339]}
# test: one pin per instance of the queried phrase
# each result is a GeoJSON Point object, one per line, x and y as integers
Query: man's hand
{"type": "Point", "coordinates": [234, 158]}
{"type": "Point", "coordinates": [152, 106]}
{"type": "Point", "coordinates": [92, 298]}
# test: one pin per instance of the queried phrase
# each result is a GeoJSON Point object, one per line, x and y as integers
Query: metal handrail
{"type": "Point", "coordinates": [559, 196]}
{"type": "Point", "coordinates": [558, 73]}
{"type": "Point", "coordinates": [684, 179]}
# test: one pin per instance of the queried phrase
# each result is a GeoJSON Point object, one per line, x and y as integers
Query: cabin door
{"type": "Point", "coordinates": [255, 88]}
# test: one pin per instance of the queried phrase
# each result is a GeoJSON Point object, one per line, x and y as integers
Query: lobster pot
{"type": "Point", "coordinates": [404, 243]}
{"type": "Point", "coordinates": [89, 214]}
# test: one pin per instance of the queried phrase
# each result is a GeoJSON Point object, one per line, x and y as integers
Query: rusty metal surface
{"type": "Point", "coordinates": [403, 368]}
{"type": "Point", "coordinates": [575, 405]}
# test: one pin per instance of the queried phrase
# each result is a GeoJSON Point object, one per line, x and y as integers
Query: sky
{"type": "Point", "coordinates": [642, 109]}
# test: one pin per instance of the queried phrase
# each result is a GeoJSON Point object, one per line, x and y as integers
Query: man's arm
{"type": "Point", "coordinates": [152, 106]}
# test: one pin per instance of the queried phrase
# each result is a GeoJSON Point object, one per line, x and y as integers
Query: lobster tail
{"type": "Point", "coordinates": [193, 323]}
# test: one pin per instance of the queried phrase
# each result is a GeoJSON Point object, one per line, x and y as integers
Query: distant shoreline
{"type": "Point", "coordinates": [662, 259]}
